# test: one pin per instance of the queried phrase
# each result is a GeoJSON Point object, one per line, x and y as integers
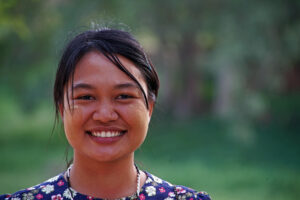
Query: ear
{"type": "Point", "coordinates": [150, 108]}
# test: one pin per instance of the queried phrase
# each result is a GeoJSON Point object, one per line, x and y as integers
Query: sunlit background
{"type": "Point", "coordinates": [227, 118]}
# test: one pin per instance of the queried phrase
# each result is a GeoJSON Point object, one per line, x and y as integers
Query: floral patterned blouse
{"type": "Point", "coordinates": [57, 188]}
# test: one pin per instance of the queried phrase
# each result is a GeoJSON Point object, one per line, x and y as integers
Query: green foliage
{"type": "Point", "coordinates": [246, 48]}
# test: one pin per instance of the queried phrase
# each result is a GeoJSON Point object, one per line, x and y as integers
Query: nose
{"type": "Point", "coordinates": [105, 112]}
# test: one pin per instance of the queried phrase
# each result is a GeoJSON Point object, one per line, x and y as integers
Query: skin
{"type": "Point", "coordinates": [105, 99]}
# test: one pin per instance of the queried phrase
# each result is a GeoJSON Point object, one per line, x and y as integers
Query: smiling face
{"type": "Point", "coordinates": [107, 118]}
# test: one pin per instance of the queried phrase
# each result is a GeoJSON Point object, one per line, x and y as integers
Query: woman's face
{"type": "Point", "coordinates": [108, 119]}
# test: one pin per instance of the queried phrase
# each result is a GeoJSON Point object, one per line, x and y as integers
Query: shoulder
{"type": "Point", "coordinates": [53, 187]}
{"type": "Point", "coordinates": [183, 192]}
{"type": "Point", "coordinates": [156, 188]}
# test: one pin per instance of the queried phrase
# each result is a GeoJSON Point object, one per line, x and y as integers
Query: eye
{"type": "Point", "coordinates": [124, 96]}
{"type": "Point", "coordinates": [85, 97]}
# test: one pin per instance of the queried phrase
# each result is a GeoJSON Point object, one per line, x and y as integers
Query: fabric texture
{"type": "Point", "coordinates": [57, 188]}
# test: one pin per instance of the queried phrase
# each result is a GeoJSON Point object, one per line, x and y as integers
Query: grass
{"type": "Point", "coordinates": [202, 154]}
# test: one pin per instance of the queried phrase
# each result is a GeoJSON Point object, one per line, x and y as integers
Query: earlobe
{"type": "Point", "coordinates": [150, 109]}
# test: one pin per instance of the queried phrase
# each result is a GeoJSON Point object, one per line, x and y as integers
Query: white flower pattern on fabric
{"type": "Point", "coordinates": [55, 178]}
{"type": "Point", "coordinates": [67, 194]}
{"type": "Point", "coordinates": [154, 188]}
{"type": "Point", "coordinates": [149, 180]}
{"type": "Point", "coordinates": [27, 196]}
{"type": "Point", "coordinates": [56, 197]}
{"type": "Point", "coordinates": [74, 193]}
{"type": "Point", "coordinates": [171, 194]}
{"type": "Point", "coordinates": [156, 179]}
{"type": "Point", "coordinates": [48, 189]}
{"type": "Point", "coordinates": [188, 194]}
{"type": "Point", "coordinates": [183, 197]}
{"type": "Point", "coordinates": [151, 191]}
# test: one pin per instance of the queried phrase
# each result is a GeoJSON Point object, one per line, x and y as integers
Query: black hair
{"type": "Point", "coordinates": [111, 43]}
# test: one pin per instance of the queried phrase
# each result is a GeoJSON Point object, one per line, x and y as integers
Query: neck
{"type": "Point", "coordinates": [114, 179]}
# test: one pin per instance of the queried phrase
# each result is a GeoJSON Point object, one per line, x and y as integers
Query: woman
{"type": "Point", "coordinates": [105, 91]}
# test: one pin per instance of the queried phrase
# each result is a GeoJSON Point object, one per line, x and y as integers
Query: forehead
{"type": "Point", "coordinates": [95, 68]}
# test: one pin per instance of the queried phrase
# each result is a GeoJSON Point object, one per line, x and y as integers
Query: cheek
{"type": "Point", "coordinates": [73, 119]}
{"type": "Point", "coordinates": [137, 116]}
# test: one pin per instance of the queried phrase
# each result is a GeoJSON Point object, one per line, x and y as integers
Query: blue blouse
{"type": "Point", "coordinates": [57, 188]}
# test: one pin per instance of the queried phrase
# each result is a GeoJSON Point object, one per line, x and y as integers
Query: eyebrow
{"type": "Point", "coordinates": [82, 86]}
{"type": "Point", "coordinates": [118, 86]}
{"type": "Point", "coordinates": [126, 85]}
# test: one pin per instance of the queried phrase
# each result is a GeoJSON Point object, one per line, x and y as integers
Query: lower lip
{"type": "Point", "coordinates": [106, 140]}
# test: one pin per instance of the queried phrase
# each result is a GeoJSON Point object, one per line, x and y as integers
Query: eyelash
{"type": "Point", "coordinates": [89, 97]}
{"type": "Point", "coordinates": [124, 96]}
{"type": "Point", "coordinates": [85, 97]}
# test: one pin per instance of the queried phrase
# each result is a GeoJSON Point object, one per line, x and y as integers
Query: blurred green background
{"type": "Point", "coordinates": [227, 116]}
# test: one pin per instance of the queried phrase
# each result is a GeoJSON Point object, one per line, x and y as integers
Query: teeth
{"type": "Point", "coordinates": [106, 134]}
